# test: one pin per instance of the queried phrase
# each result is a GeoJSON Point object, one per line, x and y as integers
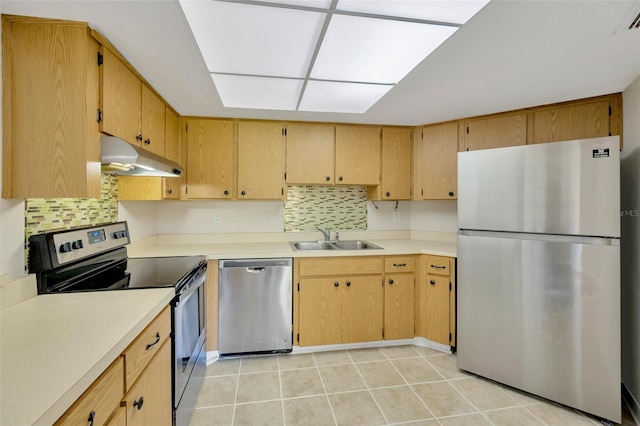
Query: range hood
{"type": "Point", "coordinates": [121, 158]}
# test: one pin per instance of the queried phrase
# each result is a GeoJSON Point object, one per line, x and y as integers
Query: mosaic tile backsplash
{"type": "Point", "coordinates": [335, 207]}
{"type": "Point", "coordinates": [51, 214]}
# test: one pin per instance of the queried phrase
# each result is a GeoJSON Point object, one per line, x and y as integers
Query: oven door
{"type": "Point", "coordinates": [189, 337]}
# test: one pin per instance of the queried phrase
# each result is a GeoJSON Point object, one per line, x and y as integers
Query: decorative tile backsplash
{"type": "Point", "coordinates": [335, 207]}
{"type": "Point", "coordinates": [51, 214]}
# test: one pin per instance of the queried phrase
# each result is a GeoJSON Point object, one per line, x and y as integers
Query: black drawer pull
{"type": "Point", "coordinates": [399, 264]}
{"type": "Point", "coordinates": [149, 345]}
{"type": "Point", "coordinates": [432, 282]}
{"type": "Point", "coordinates": [139, 403]}
{"type": "Point", "coordinates": [328, 178]}
{"type": "Point", "coordinates": [92, 417]}
{"type": "Point", "coordinates": [438, 267]}
{"type": "Point", "coordinates": [348, 283]}
{"type": "Point", "coordinates": [226, 192]}
{"type": "Point", "coordinates": [450, 194]}
{"type": "Point", "coordinates": [243, 193]}
{"type": "Point", "coordinates": [336, 284]}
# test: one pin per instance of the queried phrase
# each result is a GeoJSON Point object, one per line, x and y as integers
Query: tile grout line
{"type": "Point", "coordinates": [284, 419]}
{"type": "Point", "coordinates": [235, 398]}
{"type": "Point", "coordinates": [326, 395]}
{"type": "Point", "coordinates": [368, 388]}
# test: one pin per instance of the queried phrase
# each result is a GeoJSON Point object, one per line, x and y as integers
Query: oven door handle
{"type": "Point", "coordinates": [190, 288]}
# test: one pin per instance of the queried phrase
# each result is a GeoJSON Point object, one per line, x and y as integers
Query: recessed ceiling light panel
{"type": "Point", "coordinates": [258, 92]}
{"type": "Point", "coordinates": [457, 12]}
{"type": "Point", "coordinates": [375, 50]}
{"type": "Point", "coordinates": [259, 40]}
{"type": "Point", "coordinates": [329, 96]}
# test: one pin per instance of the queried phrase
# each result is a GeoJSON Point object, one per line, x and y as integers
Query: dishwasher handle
{"type": "Point", "coordinates": [256, 269]}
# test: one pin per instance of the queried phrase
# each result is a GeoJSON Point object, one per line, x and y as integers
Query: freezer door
{"type": "Point", "coordinates": [544, 317]}
{"type": "Point", "coordinates": [568, 188]}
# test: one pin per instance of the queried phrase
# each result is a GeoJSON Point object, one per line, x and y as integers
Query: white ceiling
{"type": "Point", "coordinates": [512, 54]}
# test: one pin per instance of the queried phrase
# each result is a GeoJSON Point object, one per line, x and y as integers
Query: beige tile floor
{"type": "Point", "coordinates": [373, 386]}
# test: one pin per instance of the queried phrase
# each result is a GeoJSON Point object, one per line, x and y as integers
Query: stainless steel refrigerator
{"type": "Point", "coordinates": [539, 270]}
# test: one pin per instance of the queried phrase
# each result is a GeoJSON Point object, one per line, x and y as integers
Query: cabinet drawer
{"type": "Point", "coordinates": [100, 400]}
{"type": "Point", "coordinates": [146, 345]}
{"type": "Point", "coordinates": [398, 264]}
{"type": "Point", "coordinates": [437, 265]}
{"type": "Point", "coordinates": [341, 266]}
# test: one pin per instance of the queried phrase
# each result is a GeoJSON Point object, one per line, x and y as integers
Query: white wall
{"type": "Point", "coordinates": [630, 241]}
{"type": "Point", "coordinates": [387, 217]}
{"type": "Point", "coordinates": [439, 216]}
{"type": "Point", "coordinates": [140, 216]}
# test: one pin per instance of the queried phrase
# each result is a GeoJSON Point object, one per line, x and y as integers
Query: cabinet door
{"type": "Point", "coordinates": [170, 188]}
{"type": "Point", "coordinates": [362, 300]}
{"type": "Point", "coordinates": [149, 400]}
{"type": "Point", "coordinates": [439, 162]}
{"type": "Point", "coordinates": [152, 121]}
{"type": "Point", "coordinates": [320, 311]}
{"type": "Point", "coordinates": [120, 100]}
{"type": "Point", "coordinates": [260, 161]}
{"type": "Point", "coordinates": [495, 132]}
{"type": "Point", "coordinates": [310, 153]}
{"type": "Point", "coordinates": [358, 151]}
{"type": "Point", "coordinates": [396, 163]}
{"type": "Point", "coordinates": [210, 159]}
{"type": "Point", "coordinates": [436, 325]}
{"type": "Point", "coordinates": [590, 120]}
{"type": "Point", "coordinates": [172, 136]}
{"type": "Point", "coordinates": [398, 304]}
{"type": "Point", "coordinates": [140, 188]}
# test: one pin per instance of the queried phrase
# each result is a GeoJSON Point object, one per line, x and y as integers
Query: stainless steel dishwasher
{"type": "Point", "coordinates": [255, 306]}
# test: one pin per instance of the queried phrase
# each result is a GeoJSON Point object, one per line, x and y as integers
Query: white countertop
{"type": "Point", "coordinates": [54, 346]}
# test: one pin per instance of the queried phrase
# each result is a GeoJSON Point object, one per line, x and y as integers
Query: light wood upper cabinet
{"type": "Point", "coordinates": [310, 153]}
{"type": "Point", "coordinates": [210, 158]}
{"type": "Point", "coordinates": [584, 120]}
{"type": "Point", "coordinates": [438, 162]}
{"type": "Point", "coordinates": [172, 148]}
{"type": "Point", "coordinates": [397, 146]}
{"type": "Point", "coordinates": [494, 132]}
{"type": "Point", "coordinates": [358, 151]}
{"type": "Point", "coordinates": [261, 157]}
{"type": "Point", "coordinates": [120, 99]}
{"type": "Point", "coordinates": [51, 139]}
{"type": "Point", "coordinates": [153, 122]}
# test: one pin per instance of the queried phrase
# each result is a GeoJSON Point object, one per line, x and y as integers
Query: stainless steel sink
{"type": "Point", "coordinates": [333, 245]}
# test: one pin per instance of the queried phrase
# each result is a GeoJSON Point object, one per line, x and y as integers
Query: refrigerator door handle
{"type": "Point", "coordinates": [591, 240]}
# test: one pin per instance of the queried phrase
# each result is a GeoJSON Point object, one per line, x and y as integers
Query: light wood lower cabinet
{"type": "Point", "coordinates": [338, 300]}
{"type": "Point", "coordinates": [399, 284]}
{"type": "Point", "coordinates": [136, 388]}
{"type": "Point", "coordinates": [435, 299]}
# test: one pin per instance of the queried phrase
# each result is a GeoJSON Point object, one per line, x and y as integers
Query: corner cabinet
{"type": "Point", "coordinates": [261, 157]}
{"type": "Point", "coordinates": [436, 300]}
{"type": "Point", "coordinates": [396, 168]}
{"type": "Point", "coordinates": [51, 138]}
{"type": "Point", "coordinates": [338, 300]}
{"type": "Point", "coordinates": [436, 165]}
{"type": "Point", "coordinates": [310, 154]}
{"type": "Point", "coordinates": [358, 155]}
{"type": "Point", "coordinates": [210, 158]}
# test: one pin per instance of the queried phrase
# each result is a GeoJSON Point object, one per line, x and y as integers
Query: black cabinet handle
{"type": "Point", "coordinates": [340, 178]}
{"type": "Point", "coordinates": [336, 284]}
{"type": "Point", "coordinates": [243, 193]}
{"type": "Point", "coordinates": [149, 345]}
{"type": "Point", "coordinates": [432, 282]}
{"type": "Point", "coordinates": [399, 264]}
{"type": "Point", "coordinates": [390, 281]}
{"type": "Point", "coordinates": [147, 141]}
{"type": "Point", "coordinates": [328, 178]}
{"type": "Point", "coordinates": [226, 192]}
{"type": "Point", "coordinates": [139, 138]}
{"type": "Point", "coordinates": [169, 191]}
{"type": "Point", "coordinates": [387, 194]}
{"type": "Point", "coordinates": [92, 417]}
{"type": "Point", "coordinates": [139, 403]}
{"type": "Point", "coordinates": [348, 283]}
{"type": "Point", "coordinates": [450, 194]}
{"type": "Point", "coordinates": [438, 267]}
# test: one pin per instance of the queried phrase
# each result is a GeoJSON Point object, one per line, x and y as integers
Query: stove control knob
{"type": "Point", "coordinates": [118, 234]}
{"type": "Point", "coordinates": [77, 245]}
{"type": "Point", "coordinates": [65, 248]}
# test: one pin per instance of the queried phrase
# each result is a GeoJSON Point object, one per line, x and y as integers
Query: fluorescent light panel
{"type": "Point", "coordinates": [329, 96]}
{"type": "Point", "coordinates": [375, 50]}
{"type": "Point", "coordinates": [258, 92]}
{"type": "Point", "coordinates": [258, 40]}
{"type": "Point", "coordinates": [452, 11]}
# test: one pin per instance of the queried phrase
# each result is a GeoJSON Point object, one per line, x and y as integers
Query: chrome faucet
{"type": "Point", "coordinates": [326, 234]}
